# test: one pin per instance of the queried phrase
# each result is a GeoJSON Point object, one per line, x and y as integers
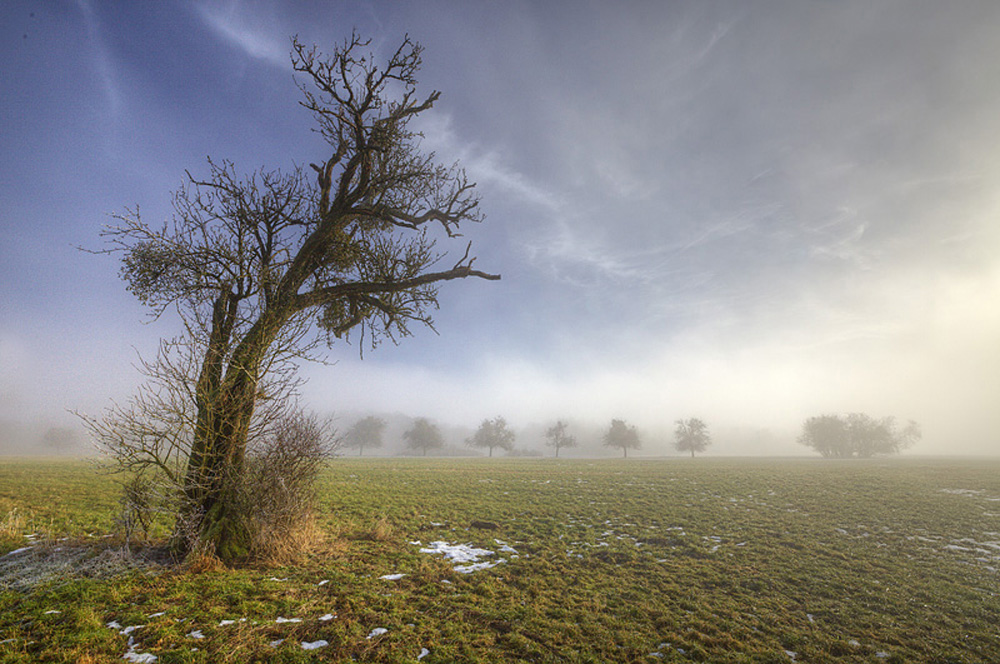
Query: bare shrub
{"type": "Point", "coordinates": [278, 488]}
{"type": "Point", "coordinates": [137, 507]}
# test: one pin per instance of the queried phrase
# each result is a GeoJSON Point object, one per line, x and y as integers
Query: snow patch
{"type": "Point", "coordinates": [139, 657]}
{"type": "Point", "coordinates": [475, 567]}
{"type": "Point", "coordinates": [315, 645]}
{"type": "Point", "coordinates": [465, 557]}
{"type": "Point", "coordinates": [963, 492]}
{"type": "Point", "coordinates": [457, 553]}
{"type": "Point", "coordinates": [378, 631]}
{"type": "Point", "coordinates": [392, 577]}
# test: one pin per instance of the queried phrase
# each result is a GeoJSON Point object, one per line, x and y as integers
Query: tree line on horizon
{"type": "Point", "coordinates": [856, 435]}
{"type": "Point", "coordinates": [423, 436]}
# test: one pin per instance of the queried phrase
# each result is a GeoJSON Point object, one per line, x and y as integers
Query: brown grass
{"type": "Point", "coordinates": [381, 531]}
{"type": "Point", "coordinates": [202, 562]}
{"type": "Point", "coordinates": [288, 544]}
{"type": "Point", "coordinates": [13, 525]}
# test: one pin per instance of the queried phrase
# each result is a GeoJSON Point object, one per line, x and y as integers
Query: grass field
{"type": "Point", "coordinates": [715, 560]}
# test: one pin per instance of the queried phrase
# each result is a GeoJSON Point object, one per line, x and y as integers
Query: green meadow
{"type": "Point", "coordinates": [673, 560]}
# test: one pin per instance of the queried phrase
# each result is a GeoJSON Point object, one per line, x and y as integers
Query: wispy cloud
{"type": "Point", "coordinates": [102, 59]}
{"type": "Point", "coordinates": [246, 32]}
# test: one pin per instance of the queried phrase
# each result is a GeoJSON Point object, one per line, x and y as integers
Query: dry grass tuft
{"type": "Point", "coordinates": [289, 543]}
{"type": "Point", "coordinates": [381, 531]}
{"type": "Point", "coordinates": [202, 562]}
{"type": "Point", "coordinates": [13, 525]}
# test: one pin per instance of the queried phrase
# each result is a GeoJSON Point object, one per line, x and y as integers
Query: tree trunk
{"type": "Point", "coordinates": [214, 508]}
{"type": "Point", "coordinates": [213, 517]}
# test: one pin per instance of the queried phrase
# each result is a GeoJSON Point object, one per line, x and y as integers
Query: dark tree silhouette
{"type": "Point", "coordinates": [423, 436]}
{"type": "Point", "coordinates": [691, 435]}
{"type": "Point", "coordinates": [558, 438]}
{"type": "Point", "coordinates": [857, 436]}
{"type": "Point", "coordinates": [622, 436]}
{"type": "Point", "coordinates": [264, 267]}
{"type": "Point", "coordinates": [366, 432]}
{"type": "Point", "coordinates": [492, 433]}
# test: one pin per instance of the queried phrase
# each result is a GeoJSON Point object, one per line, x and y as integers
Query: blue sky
{"type": "Point", "coordinates": [747, 213]}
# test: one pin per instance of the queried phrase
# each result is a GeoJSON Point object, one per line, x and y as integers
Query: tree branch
{"type": "Point", "coordinates": [325, 295]}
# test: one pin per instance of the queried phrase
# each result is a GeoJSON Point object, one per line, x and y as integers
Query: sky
{"type": "Point", "coordinates": [750, 213]}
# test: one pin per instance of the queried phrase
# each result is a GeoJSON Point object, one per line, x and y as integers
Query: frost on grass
{"type": "Point", "coordinates": [43, 563]}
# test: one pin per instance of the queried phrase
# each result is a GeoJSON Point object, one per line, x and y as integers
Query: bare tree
{"type": "Point", "coordinates": [558, 438]}
{"type": "Point", "coordinates": [262, 268]}
{"type": "Point", "coordinates": [492, 433]}
{"type": "Point", "coordinates": [366, 432]}
{"type": "Point", "coordinates": [622, 436]}
{"type": "Point", "coordinates": [857, 435]}
{"type": "Point", "coordinates": [691, 435]}
{"type": "Point", "coordinates": [423, 436]}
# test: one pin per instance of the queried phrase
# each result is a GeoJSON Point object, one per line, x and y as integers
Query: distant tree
{"type": "Point", "coordinates": [828, 435]}
{"type": "Point", "coordinates": [857, 435]}
{"type": "Point", "coordinates": [366, 432]}
{"type": "Point", "coordinates": [492, 433]}
{"type": "Point", "coordinates": [59, 439]}
{"type": "Point", "coordinates": [691, 435]}
{"type": "Point", "coordinates": [423, 436]}
{"type": "Point", "coordinates": [622, 436]}
{"type": "Point", "coordinates": [558, 438]}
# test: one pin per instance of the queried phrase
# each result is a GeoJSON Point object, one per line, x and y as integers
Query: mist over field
{"type": "Point", "coordinates": [749, 215]}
